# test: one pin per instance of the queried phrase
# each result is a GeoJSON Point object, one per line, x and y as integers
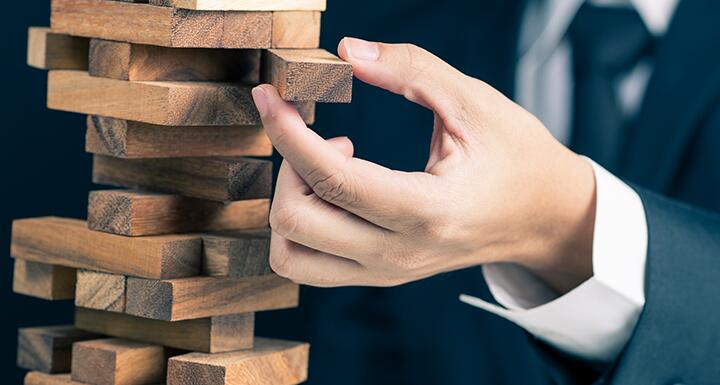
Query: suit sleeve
{"type": "Point", "coordinates": [677, 336]}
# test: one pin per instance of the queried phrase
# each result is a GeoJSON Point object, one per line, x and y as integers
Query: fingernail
{"type": "Point", "coordinates": [261, 100]}
{"type": "Point", "coordinates": [362, 49]}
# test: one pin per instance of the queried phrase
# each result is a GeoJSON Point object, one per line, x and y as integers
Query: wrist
{"type": "Point", "coordinates": [559, 249]}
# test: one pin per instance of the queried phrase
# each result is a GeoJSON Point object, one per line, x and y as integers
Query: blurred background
{"type": "Point", "coordinates": [415, 334]}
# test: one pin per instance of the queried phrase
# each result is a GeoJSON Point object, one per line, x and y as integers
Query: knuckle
{"type": "Point", "coordinates": [280, 263]}
{"type": "Point", "coordinates": [284, 220]}
{"type": "Point", "coordinates": [334, 188]}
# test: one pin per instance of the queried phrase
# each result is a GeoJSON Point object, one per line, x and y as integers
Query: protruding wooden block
{"type": "Point", "coordinates": [139, 62]}
{"type": "Point", "coordinates": [100, 291]}
{"type": "Point", "coordinates": [44, 281]}
{"type": "Point", "coordinates": [309, 75]}
{"type": "Point", "coordinates": [114, 361]}
{"type": "Point", "coordinates": [210, 335]}
{"type": "Point", "coordinates": [296, 29]}
{"type": "Point", "coordinates": [191, 298]}
{"type": "Point", "coordinates": [161, 103]}
{"type": "Point", "coordinates": [245, 5]}
{"type": "Point", "coordinates": [53, 51]}
{"type": "Point", "coordinates": [237, 254]}
{"type": "Point", "coordinates": [217, 179]}
{"type": "Point", "coordinates": [129, 139]}
{"type": "Point", "coordinates": [134, 213]}
{"type": "Point", "coordinates": [48, 349]}
{"type": "Point", "coordinates": [163, 26]}
{"type": "Point", "coordinates": [68, 242]}
{"type": "Point", "coordinates": [271, 362]}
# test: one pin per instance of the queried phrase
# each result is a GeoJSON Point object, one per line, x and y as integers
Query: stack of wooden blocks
{"type": "Point", "coordinates": [167, 275]}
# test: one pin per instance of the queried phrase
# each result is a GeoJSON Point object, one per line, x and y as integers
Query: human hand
{"type": "Point", "coordinates": [497, 187]}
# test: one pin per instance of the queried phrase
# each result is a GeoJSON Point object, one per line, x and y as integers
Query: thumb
{"type": "Point", "coordinates": [343, 144]}
{"type": "Point", "coordinates": [407, 70]}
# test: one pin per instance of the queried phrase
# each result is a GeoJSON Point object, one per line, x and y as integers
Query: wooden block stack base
{"type": "Point", "coordinates": [168, 271]}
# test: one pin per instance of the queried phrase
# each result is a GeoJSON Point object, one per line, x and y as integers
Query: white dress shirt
{"type": "Point", "coordinates": [595, 320]}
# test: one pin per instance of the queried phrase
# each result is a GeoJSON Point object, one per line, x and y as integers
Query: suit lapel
{"type": "Point", "coordinates": [686, 77]}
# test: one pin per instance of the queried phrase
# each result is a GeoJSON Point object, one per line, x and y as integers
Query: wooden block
{"type": "Point", "coordinates": [245, 5]}
{"type": "Point", "coordinates": [191, 298]}
{"type": "Point", "coordinates": [40, 378]}
{"type": "Point", "coordinates": [238, 254]}
{"type": "Point", "coordinates": [100, 291]}
{"type": "Point", "coordinates": [296, 29]}
{"type": "Point", "coordinates": [162, 26]}
{"type": "Point", "coordinates": [44, 281]}
{"type": "Point", "coordinates": [210, 335]}
{"type": "Point", "coordinates": [162, 103]}
{"type": "Point", "coordinates": [125, 61]}
{"type": "Point", "coordinates": [114, 361]}
{"type": "Point", "coordinates": [134, 213]}
{"type": "Point", "coordinates": [270, 362]}
{"type": "Point", "coordinates": [48, 349]}
{"type": "Point", "coordinates": [309, 75]}
{"type": "Point", "coordinates": [53, 51]}
{"type": "Point", "coordinates": [68, 242]}
{"type": "Point", "coordinates": [218, 179]}
{"type": "Point", "coordinates": [128, 139]}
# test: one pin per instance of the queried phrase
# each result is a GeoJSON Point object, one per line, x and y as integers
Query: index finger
{"type": "Point", "coordinates": [375, 193]}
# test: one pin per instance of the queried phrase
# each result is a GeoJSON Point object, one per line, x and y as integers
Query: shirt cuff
{"type": "Point", "coordinates": [595, 320]}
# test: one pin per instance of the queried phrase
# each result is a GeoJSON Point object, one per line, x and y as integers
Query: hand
{"type": "Point", "coordinates": [497, 187]}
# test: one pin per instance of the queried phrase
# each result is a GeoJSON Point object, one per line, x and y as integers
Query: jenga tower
{"type": "Point", "coordinates": [167, 274]}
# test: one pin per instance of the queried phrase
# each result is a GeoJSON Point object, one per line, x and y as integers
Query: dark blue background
{"type": "Point", "coordinates": [415, 334]}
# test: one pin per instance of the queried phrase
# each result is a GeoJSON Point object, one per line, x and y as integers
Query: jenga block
{"type": "Point", "coordinates": [53, 51]}
{"type": "Point", "coordinates": [68, 242]}
{"type": "Point", "coordinates": [40, 378]}
{"type": "Point", "coordinates": [100, 291]}
{"type": "Point", "coordinates": [125, 61]}
{"type": "Point", "coordinates": [134, 213]}
{"type": "Point", "coordinates": [309, 75]}
{"type": "Point", "coordinates": [163, 26]}
{"type": "Point", "coordinates": [210, 335]}
{"type": "Point", "coordinates": [218, 179]}
{"type": "Point", "coordinates": [48, 349]}
{"type": "Point", "coordinates": [237, 254]}
{"type": "Point", "coordinates": [114, 361]}
{"type": "Point", "coordinates": [191, 298]}
{"type": "Point", "coordinates": [128, 139]}
{"type": "Point", "coordinates": [296, 29]}
{"type": "Point", "coordinates": [44, 281]}
{"type": "Point", "coordinates": [162, 103]}
{"type": "Point", "coordinates": [245, 5]}
{"type": "Point", "coordinates": [270, 362]}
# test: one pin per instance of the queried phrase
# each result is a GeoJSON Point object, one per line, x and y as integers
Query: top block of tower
{"type": "Point", "coordinates": [230, 23]}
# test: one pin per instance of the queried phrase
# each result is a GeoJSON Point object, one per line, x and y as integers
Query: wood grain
{"type": "Point", "coordinates": [191, 298]}
{"type": "Point", "coordinates": [161, 103]}
{"type": "Point", "coordinates": [40, 378]}
{"type": "Point", "coordinates": [218, 179]}
{"type": "Point", "coordinates": [210, 335]}
{"type": "Point", "coordinates": [48, 349]}
{"type": "Point", "coordinates": [296, 29]}
{"type": "Point", "coordinates": [44, 281]}
{"type": "Point", "coordinates": [53, 51]}
{"type": "Point", "coordinates": [237, 254]}
{"type": "Point", "coordinates": [139, 62]}
{"type": "Point", "coordinates": [161, 26]}
{"type": "Point", "coordinates": [68, 242]}
{"type": "Point", "coordinates": [129, 139]}
{"type": "Point", "coordinates": [309, 75]}
{"type": "Point", "coordinates": [114, 361]}
{"type": "Point", "coordinates": [134, 213]}
{"type": "Point", "coordinates": [245, 5]}
{"type": "Point", "coordinates": [270, 362]}
{"type": "Point", "coordinates": [100, 291]}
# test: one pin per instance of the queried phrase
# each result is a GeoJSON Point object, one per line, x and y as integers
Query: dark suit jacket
{"type": "Point", "coordinates": [419, 333]}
